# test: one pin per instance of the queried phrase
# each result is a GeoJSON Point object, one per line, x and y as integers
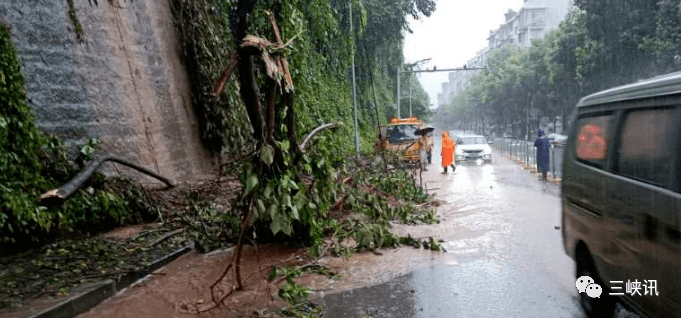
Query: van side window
{"type": "Point", "coordinates": [645, 148]}
{"type": "Point", "coordinates": [592, 140]}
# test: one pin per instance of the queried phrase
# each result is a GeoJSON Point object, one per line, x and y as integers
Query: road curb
{"type": "Point", "coordinates": [530, 168]}
{"type": "Point", "coordinates": [91, 297]}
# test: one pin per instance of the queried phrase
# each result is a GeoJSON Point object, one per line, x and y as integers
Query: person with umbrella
{"type": "Point", "coordinates": [424, 146]}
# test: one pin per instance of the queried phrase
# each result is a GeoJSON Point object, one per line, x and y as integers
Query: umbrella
{"type": "Point", "coordinates": [424, 130]}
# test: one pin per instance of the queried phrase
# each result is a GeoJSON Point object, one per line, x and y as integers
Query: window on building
{"type": "Point", "coordinates": [592, 140]}
{"type": "Point", "coordinates": [645, 146]}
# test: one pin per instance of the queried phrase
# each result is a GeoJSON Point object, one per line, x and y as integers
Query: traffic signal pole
{"type": "Point", "coordinates": [399, 71]}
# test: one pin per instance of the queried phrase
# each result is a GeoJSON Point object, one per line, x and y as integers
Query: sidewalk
{"type": "Point", "coordinates": [183, 287]}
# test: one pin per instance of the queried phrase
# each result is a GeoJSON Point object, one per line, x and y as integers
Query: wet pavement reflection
{"type": "Point", "coordinates": [504, 254]}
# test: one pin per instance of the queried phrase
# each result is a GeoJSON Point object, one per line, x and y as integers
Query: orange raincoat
{"type": "Point", "coordinates": [447, 149]}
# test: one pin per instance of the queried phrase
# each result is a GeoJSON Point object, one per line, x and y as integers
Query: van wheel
{"type": "Point", "coordinates": [593, 307]}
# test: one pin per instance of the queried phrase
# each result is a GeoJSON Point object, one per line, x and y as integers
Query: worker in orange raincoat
{"type": "Point", "coordinates": [448, 147]}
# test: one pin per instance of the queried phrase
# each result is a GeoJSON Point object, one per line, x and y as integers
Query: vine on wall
{"type": "Point", "coordinates": [31, 162]}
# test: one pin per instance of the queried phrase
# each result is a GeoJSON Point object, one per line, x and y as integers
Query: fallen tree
{"type": "Point", "coordinates": [278, 151]}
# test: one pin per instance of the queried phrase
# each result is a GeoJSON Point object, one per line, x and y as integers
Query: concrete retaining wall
{"type": "Point", "coordinates": [125, 85]}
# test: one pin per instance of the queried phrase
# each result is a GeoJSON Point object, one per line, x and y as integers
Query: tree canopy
{"type": "Point", "coordinates": [600, 44]}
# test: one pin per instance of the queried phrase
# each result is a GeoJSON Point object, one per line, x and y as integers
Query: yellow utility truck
{"type": "Point", "coordinates": [402, 135]}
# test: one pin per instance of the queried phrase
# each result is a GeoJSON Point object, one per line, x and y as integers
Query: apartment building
{"type": "Point", "coordinates": [533, 21]}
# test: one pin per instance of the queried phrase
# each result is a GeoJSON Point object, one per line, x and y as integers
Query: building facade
{"type": "Point", "coordinates": [533, 21]}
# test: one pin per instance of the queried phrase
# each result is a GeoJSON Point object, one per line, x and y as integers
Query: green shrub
{"type": "Point", "coordinates": [20, 145]}
{"type": "Point", "coordinates": [31, 163]}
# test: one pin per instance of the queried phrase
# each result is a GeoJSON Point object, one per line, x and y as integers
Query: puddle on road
{"type": "Point", "coordinates": [504, 257]}
{"type": "Point", "coordinates": [486, 288]}
{"type": "Point", "coordinates": [476, 223]}
{"type": "Point", "coordinates": [477, 219]}
{"type": "Point", "coordinates": [473, 224]}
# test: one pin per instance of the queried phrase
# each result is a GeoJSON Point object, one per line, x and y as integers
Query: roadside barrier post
{"type": "Point", "coordinates": [527, 153]}
{"type": "Point", "coordinates": [553, 161]}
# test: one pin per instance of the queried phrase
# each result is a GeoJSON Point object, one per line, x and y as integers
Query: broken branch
{"type": "Point", "coordinates": [291, 127]}
{"type": "Point", "coordinates": [55, 196]}
{"type": "Point", "coordinates": [226, 72]}
{"type": "Point", "coordinates": [166, 236]}
{"type": "Point", "coordinates": [250, 93]}
{"type": "Point", "coordinates": [314, 132]}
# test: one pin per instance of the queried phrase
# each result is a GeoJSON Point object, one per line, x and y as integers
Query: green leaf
{"type": "Point", "coordinates": [271, 210]}
{"type": "Point", "coordinates": [293, 184]}
{"type": "Point", "coordinates": [280, 223]}
{"type": "Point", "coordinates": [251, 183]}
{"type": "Point", "coordinates": [294, 213]}
{"type": "Point", "coordinates": [261, 208]}
{"type": "Point", "coordinates": [267, 154]}
{"type": "Point", "coordinates": [275, 226]}
{"type": "Point", "coordinates": [287, 228]}
{"type": "Point", "coordinates": [287, 200]}
{"type": "Point", "coordinates": [284, 145]}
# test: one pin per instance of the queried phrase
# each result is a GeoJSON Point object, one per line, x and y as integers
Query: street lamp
{"type": "Point", "coordinates": [399, 71]}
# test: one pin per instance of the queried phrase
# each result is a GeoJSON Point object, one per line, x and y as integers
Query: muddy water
{"type": "Point", "coordinates": [504, 255]}
{"type": "Point", "coordinates": [182, 288]}
{"type": "Point", "coordinates": [504, 258]}
{"type": "Point", "coordinates": [475, 221]}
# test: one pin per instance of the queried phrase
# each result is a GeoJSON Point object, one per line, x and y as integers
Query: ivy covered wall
{"type": "Point", "coordinates": [121, 80]}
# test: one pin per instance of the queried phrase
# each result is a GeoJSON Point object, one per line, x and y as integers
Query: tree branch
{"type": "Point", "coordinates": [317, 129]}
{"type": "Point", "coordinates": [226, 72]}
{"type": "Point", "coordinates": [250, 93]}
{"type": "Point", "coordinates": [291, 126]}
{"type": "Point", "coordinates": [58, 195]}
{"type": "Point", "coordinates": [282, 61]}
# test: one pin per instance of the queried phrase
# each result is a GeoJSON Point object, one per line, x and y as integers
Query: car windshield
{"type": "Point", "coordinates": [399, 133]}
{"type": "Point", "coordinates": [471, 141]}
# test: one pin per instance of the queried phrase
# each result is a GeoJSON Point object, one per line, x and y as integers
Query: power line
{"type": "Point", "coordinates": [447, 70]}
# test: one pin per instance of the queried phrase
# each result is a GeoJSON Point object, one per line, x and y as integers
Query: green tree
{"type": "Point", "coordinates": [413, 95]}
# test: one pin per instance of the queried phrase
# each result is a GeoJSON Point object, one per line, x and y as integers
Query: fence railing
{"type": "Point", "coordinates": [525, 152]}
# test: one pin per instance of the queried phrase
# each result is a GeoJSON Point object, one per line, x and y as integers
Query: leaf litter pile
{"type": "Point", "coordinates": [202, 214]}
{"type": "Point", "coordinates": [56, 268]}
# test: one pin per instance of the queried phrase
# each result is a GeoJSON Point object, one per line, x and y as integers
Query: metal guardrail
{"type": "Point", "coordinates": [525, 152]}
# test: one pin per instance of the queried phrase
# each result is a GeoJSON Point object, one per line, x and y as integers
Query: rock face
{"type": "Point", "coordinates": [125, 84]}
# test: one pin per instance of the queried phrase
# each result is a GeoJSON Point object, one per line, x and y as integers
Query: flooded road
{"type": "Point", "coordinates": [504, 255]}
{"type": "Point", "coordinates": [504, 258]}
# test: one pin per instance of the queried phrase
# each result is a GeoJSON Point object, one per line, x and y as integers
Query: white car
{"type": "Point", "coordinates": [472, 148]}
{"type": "Point", "coordinates": [557, 138]}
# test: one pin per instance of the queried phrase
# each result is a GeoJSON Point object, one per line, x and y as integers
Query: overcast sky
{"type": "Point", "coordinates": [452, 35]}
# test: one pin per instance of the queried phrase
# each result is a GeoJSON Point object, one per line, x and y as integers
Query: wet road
{"type": "Point", "coordinates": [504, 253]}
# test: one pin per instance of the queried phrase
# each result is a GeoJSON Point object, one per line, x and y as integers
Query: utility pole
{"type": "Point", "coordinates": [398, 90]}
{"type": "Point", "coordinates": [410, 96]}
{"type": "Point", "coordinates": [527, 123]}
{"type": "Point", "coordinates": [399, 72]}
{"type": "Point", "coordinates": [398, 83]}
{"type": "Point", "coordinates": [354, 90]}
